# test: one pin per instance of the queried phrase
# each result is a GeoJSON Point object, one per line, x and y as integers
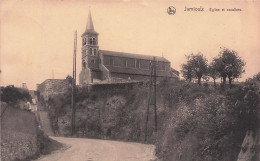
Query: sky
{"type": "Point", "coordinates": [36, 36]}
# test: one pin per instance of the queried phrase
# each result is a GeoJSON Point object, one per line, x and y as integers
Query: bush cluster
{"type": "Point", "coordinates": [104, 111]}
{"type": "Point", "coordinates": [207, 124]}
{"type": "Point", "coordinates": [11, 94]}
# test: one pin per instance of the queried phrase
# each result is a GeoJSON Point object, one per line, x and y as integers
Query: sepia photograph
{"type": "Point", "coordinates": [130, 80]}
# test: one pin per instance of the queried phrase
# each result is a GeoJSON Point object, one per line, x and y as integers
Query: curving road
{"type": "Point", "coordinates": [100, 150]}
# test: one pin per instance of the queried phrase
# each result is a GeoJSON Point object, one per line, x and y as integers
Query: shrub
{"type": "Point", "coordinates": [12, 94]}
{"type": "Point", "coordinates": [207, 124]}
{"type": "Point", "coordinates": [208, 127]}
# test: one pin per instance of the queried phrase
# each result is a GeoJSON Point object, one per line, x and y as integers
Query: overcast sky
{"type": "Point", "coordinates": [37, 35]}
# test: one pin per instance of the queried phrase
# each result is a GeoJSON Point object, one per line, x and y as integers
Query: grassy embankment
{"type": "Point", "coordinates": [21, 139]}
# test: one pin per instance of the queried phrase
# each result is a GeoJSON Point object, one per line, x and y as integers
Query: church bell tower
{"type": "Point", "coordinates": [90, 53]}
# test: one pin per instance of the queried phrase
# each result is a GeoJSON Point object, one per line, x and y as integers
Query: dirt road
{"type": "Point", "coordinates": [100, 150]}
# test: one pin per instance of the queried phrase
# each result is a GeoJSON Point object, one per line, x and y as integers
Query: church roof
{"type": "Point", "coordinates": [90, 26]}
{"type": "Point", "coordinates": [129, 55]}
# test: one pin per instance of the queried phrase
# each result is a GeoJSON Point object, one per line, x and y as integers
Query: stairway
{"type": "Point", "coordinates": [45, 123]}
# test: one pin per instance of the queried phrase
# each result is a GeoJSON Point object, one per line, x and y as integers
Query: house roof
{"type": "Point", "coordinates": [136, 71]}
{"type": "Point", "coordinates": [53, 80]}
{"type": "Point", "coordinates": [135, 56]}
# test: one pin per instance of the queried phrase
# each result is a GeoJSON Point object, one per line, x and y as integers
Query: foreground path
{"type": "Point", "coordinates": [100, 150]}
{"type": "Point", "coordinates": [45, 123]}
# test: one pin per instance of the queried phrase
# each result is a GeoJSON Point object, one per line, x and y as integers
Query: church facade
{"type": "Point", "coordinates": [110, 66]}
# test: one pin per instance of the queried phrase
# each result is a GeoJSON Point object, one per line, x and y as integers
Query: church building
{"type": "Point", "coordinates": [111, 66]}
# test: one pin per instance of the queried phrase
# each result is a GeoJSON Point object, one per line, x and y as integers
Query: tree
{"type": "Point", "coordinates": [186, 71]}
{"type": "Point", "coordinates": [257, 77]}
{"type": "Point", "coordinates": [220, 68]}
{"type": "Point", "coordinates": [11, 94]}
{"type": "Point", "coordinates": [195, 67]}
{"type": "Point", "coordinates": [212, 72]}
{"type": "Point", "coordinates": [69, 79]}
{"type": "Point", "coordinates": [229, 65]}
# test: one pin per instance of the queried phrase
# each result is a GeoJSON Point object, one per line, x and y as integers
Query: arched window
{"type": "Point", "coordinates": [125, 63]}
{"type": "Point", "coordinates": [90, 51]}
{"type": "Point", "coordinates": [111, 61]}
{"type": "Point", "coordinates": [90, 41]}
{"type": "Point", "coordinates": [137, 64]}
{"type": "Point", "coordinates": [163, 66]}
{"type": "Point", "coordinates": [94, 41]}
{"type": "Point", "coordinates": [95, 51]}
{"type": "Point", "coordinates": [84, 65]}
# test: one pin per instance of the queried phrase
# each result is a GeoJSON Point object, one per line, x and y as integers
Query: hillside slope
{"type": "Point", "coordinates": [20, 137]}
{"type": "Point", "coordinates": [194, 122]}
{"type": "Point", "coordinates": [18, 134]}
{"type": "Point", "coordinates": [110, 112]}
{"type": "Point", "coordinates": [45, 123]}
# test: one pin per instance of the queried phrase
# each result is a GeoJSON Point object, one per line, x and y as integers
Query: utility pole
{"type": "Point", "coordinates": [151, 97]}
{"type": "Point", "coordinates": [154, 84]}
{"type": "Point", "coordinates": [73, 110]}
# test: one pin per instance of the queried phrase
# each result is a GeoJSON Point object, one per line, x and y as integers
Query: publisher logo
{"type": "Point", "coordinates": [171, 10]}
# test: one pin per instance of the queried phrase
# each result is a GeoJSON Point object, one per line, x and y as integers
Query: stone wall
{"type": "Point", "coordinates": [137, 77]}
{"type": "Point", "coordinates": [52, 87]}
{"type": "Point", "coordinates": [85, 76]}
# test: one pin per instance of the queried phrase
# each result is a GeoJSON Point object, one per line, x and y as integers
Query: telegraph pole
{"type": "Point", "coordinates": [154, 83]}
{"type": "Point", "coordinates": [73, 110]}
{"type": "Point", "coordinates": [151, 98]}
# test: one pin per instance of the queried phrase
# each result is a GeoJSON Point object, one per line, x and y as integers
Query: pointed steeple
{"type": "Point", "coordinates": [90, 26]}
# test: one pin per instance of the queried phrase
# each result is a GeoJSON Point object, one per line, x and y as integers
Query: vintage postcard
{"type": "Point", "coordinates": [134, 80]}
